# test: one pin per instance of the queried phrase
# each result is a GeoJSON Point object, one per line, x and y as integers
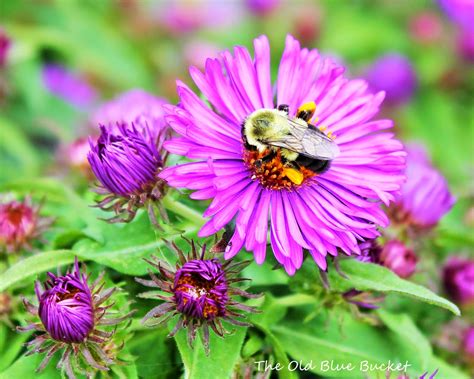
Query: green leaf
{"type": "Point", "coordinates": [222, 359]}
{"type": "Point", "coordinates": [272, 311]}
{"type": "Point", "coordinates": [10, 345]}
{"type": "Point", "coordinates": [372, 277]}
{"type": "Point", "coordinates": [445, 370]}
{"type": "Point", "coordinates": [36, 264]}
{"type": "Point", "coordinates": [127, 244]}
{"type": "Point", "coordinates": [154, 356]}
{"type": "Point", "coordinates": [342, 341]}
{"type": "Point", "coordinates": [25, 367]}
{"type": "Point", "coordinates": [404, 327]}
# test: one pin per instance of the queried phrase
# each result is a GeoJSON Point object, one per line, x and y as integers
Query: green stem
{"type": "Point", "coordinates": [182, 210]}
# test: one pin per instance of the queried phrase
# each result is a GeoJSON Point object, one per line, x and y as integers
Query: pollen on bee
{"type": "Point", "coordinates": [275, 173]}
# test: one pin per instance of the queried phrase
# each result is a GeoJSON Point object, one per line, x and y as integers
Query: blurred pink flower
{"type": "Point", "coordinates": [5, 44]}
{"type": "Point", "coordinates": [187, 16]}
{"type": "Point", "coordinates": [69, 86]}
{"type": "Point", "coordinates": [135, 106]}
{"type": "Point", "coordinates": [196, 52]}
{"type": "Point", "coordinates": [425, 196]}
{"type": "Point", "coordinates": [466, 44]}
{"type": "Point", "coordinates": [394, 74]}
{"type": "Point", "coordinates": [398, 258]}
{"type": "Point", "coordinates": [262, 7]}
{"type": "Point", "coordinates": [458, 279]}
{"type": "Point", "coordinates": [425, 27]}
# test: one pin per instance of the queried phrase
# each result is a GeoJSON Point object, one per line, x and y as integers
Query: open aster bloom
{"type": "Point", "coordinates": [71, 314]}
{"type": "Point", "coordinates": [127, 161]}
{"type": "Point", "coordinates": [20, 224]}
{"type": "Point", "coordinates": [322, 213]}
{"type": "Point", "coordinates": [199, 290]}
{"type": "Point", "coordinates": [425, 197]}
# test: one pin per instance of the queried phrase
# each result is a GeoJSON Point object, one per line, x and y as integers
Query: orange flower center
{"type": "Point", "coordinates": [275, 173]}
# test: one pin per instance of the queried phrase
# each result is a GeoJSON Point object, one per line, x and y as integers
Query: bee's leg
{"type": "Point", "coordinates": [306, 111]}
{"type": "Point", "coordinates": [265, 159]}
{"type": "Point", "coordinates": [284, 107]}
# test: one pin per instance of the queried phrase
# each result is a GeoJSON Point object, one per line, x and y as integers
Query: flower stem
{"type": "Point", "coordinates": [182, 210]}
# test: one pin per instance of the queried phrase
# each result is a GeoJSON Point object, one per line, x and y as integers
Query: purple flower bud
{"type": "Point", "coordinates": [425, 196]}
{"type": "Point", "coordinates": [20, 224]}
{"type": "Point", "coordinates": [398, 258]}
{"type": "Point", "coordinates": [458, 279]}
{"type": "Point", "coordinates": [72, 313]}
{"type": "Point", "coordinates": [4, 47]}
{"type": "Point", "coordinates": [369, 251]}
{"type": "Point", "coordinates": [466, 44]}
{"type": "Point", "coordinates": [68, 86]}
{"type": "Point", "coordinates": [65, 307]}
{"type": "Point", "coordinates": [127, 164]}
{"type": "Point", "coordinates": [200, 289]}
{"type": "Point", "coordinates": [394, 74]}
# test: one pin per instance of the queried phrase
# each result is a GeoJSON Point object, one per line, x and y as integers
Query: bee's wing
{"type": "Point", "coordinates": [308, 141]}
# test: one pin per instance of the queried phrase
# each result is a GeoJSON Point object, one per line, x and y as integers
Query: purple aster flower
{"type": "Point", "coordinates": [394, 74]}
{"type": "Point", "coordinates": [199, 291]}
{"type": "Point", "coordinates": [71, 313]}
{"type": "Point", "coordinates": [262, 7]}
{"type": "Point", "coordinates": [20, 224]}
{"type": "Point", "coordinates": [458, 279]}
{"type": "Point", "coordinates": [425, 197]}
{"type": "Point", "coordinates": [323, 212]}
{"type": "Point", "coordinates": [4, 47]}
{"type": "Point", "coordinates": [127, 164]}
{"type": "Point", "coordinates": [68, 86]}
{"type": "Point", "coordinates": [134, 106]}
{"type": "Point", "coordinates": [460, 12]}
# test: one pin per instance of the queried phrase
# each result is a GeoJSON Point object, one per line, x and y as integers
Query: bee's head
{"type": "Point", "coordinates": [259, 126]}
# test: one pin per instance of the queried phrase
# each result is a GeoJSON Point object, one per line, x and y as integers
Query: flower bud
{"type": "Point", "coordinates": [395, 75]}
{"type": "Point", "coordinates": [398, 258]}
{"type": "Point", "coordinates": [127, 164]}
{"type": "Point", "coordinates": [65, 307]}
{"type": "Point", "coordinates": [458, 279]}
{"type": "Point", "coordinates": [20, 225]}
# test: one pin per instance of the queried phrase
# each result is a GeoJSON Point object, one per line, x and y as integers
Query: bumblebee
{"type": "Point", "coordinates": [297, 141]}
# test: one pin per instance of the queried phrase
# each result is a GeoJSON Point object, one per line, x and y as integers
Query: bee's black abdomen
{"type": "Point", "coordinates": [318, 166]}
